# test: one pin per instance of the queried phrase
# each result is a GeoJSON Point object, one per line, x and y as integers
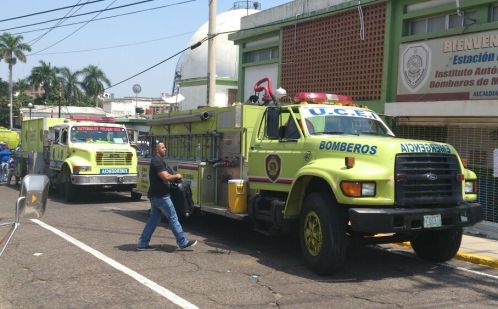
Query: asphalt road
{"type": "Point", "coordinates": [231, 266]}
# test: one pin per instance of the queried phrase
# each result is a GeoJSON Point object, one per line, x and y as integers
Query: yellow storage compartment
{"type": "Point", "coordinates": [237, 195]}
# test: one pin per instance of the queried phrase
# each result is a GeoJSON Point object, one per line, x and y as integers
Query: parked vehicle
{"type": "Point", "coordinates": [10, 137]}
{"type": "Point", "coordinates": [322, 165]}
{"type": "Point", "coordinates": [77, 155]}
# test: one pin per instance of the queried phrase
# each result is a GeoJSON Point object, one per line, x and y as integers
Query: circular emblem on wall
{"type": "Point", "coordinates": [416, 61]}
{"type": "Point", "coordinates": [273, 167]}
{"type": "Point", "coordinates": [308, 156]}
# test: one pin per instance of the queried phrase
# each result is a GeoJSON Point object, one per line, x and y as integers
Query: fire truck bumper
{"type": "Point", "coordinates": [398, 220]}
{"type": "Point", "coordinates": [92, 180]}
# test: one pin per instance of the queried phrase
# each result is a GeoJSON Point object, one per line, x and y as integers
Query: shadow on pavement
{"type": "Point", "coordinates": [225, 237]}
{"type": "Point", "coordinates": [133, 247]}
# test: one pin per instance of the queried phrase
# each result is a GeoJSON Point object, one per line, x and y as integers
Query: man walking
{"type": "Point", "coordinates": [160, 201]}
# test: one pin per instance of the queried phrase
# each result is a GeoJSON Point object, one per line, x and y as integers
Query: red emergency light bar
{"type": "Point", "coordinates": [92, 118]}
{"type": "Point", "coordinates": [321, 97]}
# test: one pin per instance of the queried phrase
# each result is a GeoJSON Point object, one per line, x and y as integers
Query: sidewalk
{"type": "Point", "coordinates": [480, 245]}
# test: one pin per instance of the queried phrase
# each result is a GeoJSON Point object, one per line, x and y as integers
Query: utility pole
{"type": "Point", "coordinates": [60, 95]}
{"type": "Point", "coordinates": [211, 78]}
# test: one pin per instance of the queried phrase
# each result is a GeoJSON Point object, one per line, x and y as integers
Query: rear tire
{"type": "Point", "coordinates": [437, 246]}
{"type": "Point", "coordinates": [136, 196]}
{"type": "Point", "coordinates": [322, 233]}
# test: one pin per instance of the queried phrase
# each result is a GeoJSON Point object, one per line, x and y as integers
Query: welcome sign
{"type": "Point", "coordinates": [453, 68]}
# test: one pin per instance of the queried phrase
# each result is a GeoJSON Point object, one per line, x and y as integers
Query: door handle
{"type": "Point", "coordinates": [257, 146]}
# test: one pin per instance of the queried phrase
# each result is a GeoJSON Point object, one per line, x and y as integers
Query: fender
{"type": "Point", "coordinates": [332, 171]}
{"type": "Point", "coordinates": [303, 178]}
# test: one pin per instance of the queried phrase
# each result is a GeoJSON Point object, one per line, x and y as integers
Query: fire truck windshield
{"type": "Point", "coordinates": [98, 134]}
{"type": "Point", "coordinates": [343, 120]}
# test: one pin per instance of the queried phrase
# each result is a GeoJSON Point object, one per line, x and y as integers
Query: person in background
{"type": "Point", "coordinates": [5, 154]}
{"type": "Point", "coordinates": [160, 202]}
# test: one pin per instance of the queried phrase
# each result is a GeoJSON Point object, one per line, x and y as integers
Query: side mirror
{"type": "Point", "coordinates": [34, 194]}
{"type": "Point", "coordinates": [31, 204]}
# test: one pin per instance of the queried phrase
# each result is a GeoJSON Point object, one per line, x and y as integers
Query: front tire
{"type": "Point", "coordinates": [69, 191]}
{"type": "Point", "coordinates": [437, 246]}
{"type": "Point", "coordinates": [322, 233]}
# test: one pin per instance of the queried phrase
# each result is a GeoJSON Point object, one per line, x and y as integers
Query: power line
{"type": "Point", "coordinates": [115, 46]}
{"type": "Point", "coordinates": [194, 46]}
{"type": "Point", "coordinates": [209, 38]}
{"type": "Point", "coordinates": [48, 11]}
{"type": "Point", "coordinates": [112, 16]}
{"type": "Point", "coordinates": [36, 40]}
{"type": "Point", "coordinates": [83, 14]}
{"type": "Point", "coordinates": [81, 27]}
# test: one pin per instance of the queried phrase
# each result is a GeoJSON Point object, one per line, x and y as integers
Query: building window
{"type": "Point", "coordinates": [436, 23]}
{"type": "Point", "coordinates": [439, 23]}
{"type": "Point", "coordinates": [494, 13]}
{"type": "Point", "coordinates": [427, 5]}
{"type": "Point", "coordinates": [261, 55]}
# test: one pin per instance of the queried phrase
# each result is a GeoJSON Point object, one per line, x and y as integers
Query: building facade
{"type": "Point", "coordinates": [430, 66]}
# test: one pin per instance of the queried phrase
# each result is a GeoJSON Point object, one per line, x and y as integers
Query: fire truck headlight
{"type": "Point", "coordinates": [358, 188]}
{"type": "Point", "coordinates": [77, 169]}
{"type": "Point", "coordinates": [470, 187]}
{"type": "Point", "coordinates": [368, 189]}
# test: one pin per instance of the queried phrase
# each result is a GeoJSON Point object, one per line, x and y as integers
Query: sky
{"type": "Point", "coordinates": [121, 46]}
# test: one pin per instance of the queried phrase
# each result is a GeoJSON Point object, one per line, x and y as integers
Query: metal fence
{"type": "Point", "coordinates": [476, 144]}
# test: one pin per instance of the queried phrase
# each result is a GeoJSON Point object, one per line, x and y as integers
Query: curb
{"type": "Point", "coordinates": [467, 257]}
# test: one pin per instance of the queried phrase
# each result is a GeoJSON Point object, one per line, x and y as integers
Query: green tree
{"type": "Point", "coordinates": [4, 103]}
{"type": "Point", "coordinates": [45, 76]}
{"type": "Point", "coordinates": [4, 89]}
{"type": "Point", "coordinates": [21, 85]}
{"type": "Point", "coordinates": [94, 80]}
{"type": "Point", "coordinates": [71, 85]}
{"type": "Point", "coordinates": [12, 48]}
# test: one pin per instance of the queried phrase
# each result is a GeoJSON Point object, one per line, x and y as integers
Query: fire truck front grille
{"type": "Point", "coordinates": [113, 158]}
{"type": "Point", "coordinates": [427, 179]}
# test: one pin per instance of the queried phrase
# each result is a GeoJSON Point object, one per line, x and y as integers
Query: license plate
{"type": "Point", "coordinates": [106, 171]}
{"type": "Point", "coordinates": [432, 221]}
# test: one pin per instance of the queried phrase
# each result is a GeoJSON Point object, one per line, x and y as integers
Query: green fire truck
{"type": "Point", "coordinates": [331, 170]}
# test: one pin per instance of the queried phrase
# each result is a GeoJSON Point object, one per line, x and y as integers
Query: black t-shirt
{"type": "Point", "coordinates": [157, 187]}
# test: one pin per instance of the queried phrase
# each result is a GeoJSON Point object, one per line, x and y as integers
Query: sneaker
{"type": "Point", "coordinates": [190, 243]}
{"type": "Point", "coordinates": [146, 248]}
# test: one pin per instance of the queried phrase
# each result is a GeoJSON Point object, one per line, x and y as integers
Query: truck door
{"type": "Point", "coordinates": [59, 148]}
{"type": "Point", "coordinates": [277, 151]}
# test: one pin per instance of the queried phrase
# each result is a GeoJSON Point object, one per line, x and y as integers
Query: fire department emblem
{"type": "Point", "coordinates": [308, 156]}
{"type": "Point", "coordinates": [273, 167]}
{"type": "Point", "coordinates": [415, 66]}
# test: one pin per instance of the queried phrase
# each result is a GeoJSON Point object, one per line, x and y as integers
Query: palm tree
{"type": "Point", "coordinates": [44, 75]}
{"type": "Point", "coordinates": [94, 80]}
{"type": "Point", "coordinates": [71, 84]}
{"type": "Point", "coordinates": [21, 85]}
{"type": "Point", "coordinates": [11, 49]}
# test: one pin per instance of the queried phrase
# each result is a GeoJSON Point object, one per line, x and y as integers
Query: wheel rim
{"type": "Point", "coordinates": [313, 233]}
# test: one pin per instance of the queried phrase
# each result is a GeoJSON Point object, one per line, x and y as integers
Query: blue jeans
{"type": "Point", "coordinates": [163, 205]}
{"type": "Point", "coordinates": [4, 171]}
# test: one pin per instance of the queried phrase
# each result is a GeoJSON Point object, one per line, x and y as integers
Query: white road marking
{"type": "Point", "coordinates": [480, 273]}
{"type": "Point", "coordinates": [471, 271]}
{"type": "Point", "coordinates": [143, 280]}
